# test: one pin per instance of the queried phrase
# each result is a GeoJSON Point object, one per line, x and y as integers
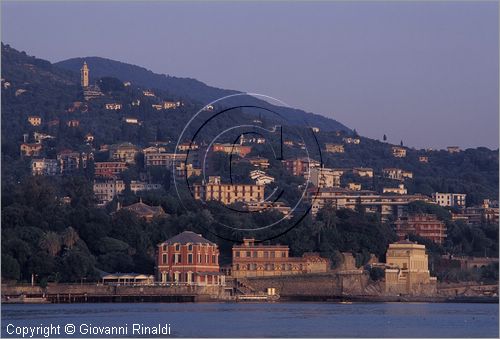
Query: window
{"type": "Point", "coordinates": [248, 254]}
{"type": "Point", "coordinates": [190, 247]}
{"type": "Point", "coordinates": [199, 258]}
{"type": "Point", "coordinates": [213, 259]}
{"type": "Point", "coordinates": [177, 247]}
{"type": "Point", "coordinates": [237, 254]}
{"type": "Point", "coordinates": [190, 258]}
{"type": "Point", "coordinates": [164, 247]}
{"type": "Point", "coordinates": [254, 254]}
{"type": "Point", "coordinates": [164, 258]}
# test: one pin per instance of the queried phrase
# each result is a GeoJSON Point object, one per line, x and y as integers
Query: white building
{"type": "Point", "coordinates": [449, 199]}
{"type": "Point", "coordinates": [326, 177]}
{"type": "Point", "coordinates": [398, 152]}
{"type": "Point", "coordinates": [350, 140]}
{"type": "Point", "coordinates": [397, 174]}
{"type": "Point", "coordinates": [137, 186]}
{"type": "Point", "coordinates": [113, 106]}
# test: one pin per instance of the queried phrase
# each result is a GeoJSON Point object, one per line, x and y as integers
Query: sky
{"type": "Point", "coordinates": [422, 72]}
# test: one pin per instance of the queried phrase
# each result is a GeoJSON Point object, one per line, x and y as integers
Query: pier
{"type": "Point", "coordinates": [69, 293]}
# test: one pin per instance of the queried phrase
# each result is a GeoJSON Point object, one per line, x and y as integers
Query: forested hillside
{"type": "Point", "coordinates": [61, 241]}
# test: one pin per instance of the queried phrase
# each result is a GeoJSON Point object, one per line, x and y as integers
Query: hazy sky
{"type": "Point", "coordinates": [423, 72]}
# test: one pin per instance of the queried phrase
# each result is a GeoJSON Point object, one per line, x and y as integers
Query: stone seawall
{"type": "Point", "coordinates": [321, 285]}
{"type": "Point", "coordinates": [84, 292]}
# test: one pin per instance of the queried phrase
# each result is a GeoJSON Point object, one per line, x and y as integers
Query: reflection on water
{"type": "Point", "coordinates": [272, 320]}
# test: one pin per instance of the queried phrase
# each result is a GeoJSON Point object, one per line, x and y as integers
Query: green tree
{"type": "Point", "coordinates": [51, 242]}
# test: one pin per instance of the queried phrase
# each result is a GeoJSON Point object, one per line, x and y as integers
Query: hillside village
{"type": "Point", "coordinates": [119, 139]}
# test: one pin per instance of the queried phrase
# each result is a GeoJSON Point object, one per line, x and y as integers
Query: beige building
{"type": "Point", "coordinates": [187, 146]}
{"type": "Point", "coordinates": [399, 152]}
{"type": "Point", "coordinates": [238, 149]}
{"type": "Point", "coordinates": [354, 186]}
{"type": "Point", "coordinates": [132, 121]}
{"type": "Point", "coordinates": [396, 190]}
{"type": "Point", "coordinates": [113, 106]}
{"type": "Point", "coordinates": [226, 193]}
{"type": "Point", "coordinates": [453, 149]}
{"type": "Point", "coordinates": [350, 140]}
{"type": "Point", "coordinates": [423, 159]}
{"type": "Point", "coordinates": [334, 148]}
{"type": "Point", "coordinates": [30, 150]}
{"type": "Point", "coordinates": [182, 170]}
{"type": "Point", "coordinates": [171, 104]}
{"type": "Point", "coordinates": [363, 172]}
{"type": "Point", "coordinates": [258, 260]}
{"type": "Point", "coordinates": [44, 166]}
{"type": "Point", "coordinates": [124, 152]}
{"type": "Point", "coordinates": [84, 74]}
{"type": "Point", "coordinates": [106, 190]}
{"type": "Point", "coordinates": [371, 202]}
{"type": "Point", "coordinates": [326, 177]}
{"type": "Point", "coordinates": [449, 199]}
{"type": "Point", "coordinates": [164, 159]}
{"type": "Point", "coordinates": [138, 186]}
{"type": "Point", "coordinates": [407, 271]}
{"type": "Point", "coordinates": [260, 177]}
{"type": "Point", "coordinates": [260, 162]}
{"type": "Point", "coordinates": [35, 120]}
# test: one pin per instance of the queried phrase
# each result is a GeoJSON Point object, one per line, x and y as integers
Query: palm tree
{"type": "Point", "coordinates": [69, 237]}
{"type": "Point", "coordinates": [318, 228]}
{"type": "Point", "coordinates": [325, 220]}
{"type": "Point", "coordinates": [51, 242]}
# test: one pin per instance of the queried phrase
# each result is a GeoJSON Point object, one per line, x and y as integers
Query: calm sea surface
{"type": "Point", "coordinates": [266, 320]}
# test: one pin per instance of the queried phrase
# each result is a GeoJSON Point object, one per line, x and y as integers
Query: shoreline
{"type": "Point", "coordinates": [288, 299]}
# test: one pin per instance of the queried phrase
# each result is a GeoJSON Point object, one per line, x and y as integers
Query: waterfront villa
{"type": "Point", "coordinates": [258, 260]}
{"type": "Point", "coordinates": [188, 258]}
{"type": "Point", "coordinates": [407, 271]}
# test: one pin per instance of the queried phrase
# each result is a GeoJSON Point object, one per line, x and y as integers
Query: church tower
{"type": "Point", "coordinates": [85, 75]}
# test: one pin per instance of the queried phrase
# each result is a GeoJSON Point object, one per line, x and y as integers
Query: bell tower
{"type": "Point", "coordinates": [84, 71]}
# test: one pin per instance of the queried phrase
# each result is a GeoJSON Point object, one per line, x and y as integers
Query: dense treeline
{"type": "Point", "coordinates": [68, 242]}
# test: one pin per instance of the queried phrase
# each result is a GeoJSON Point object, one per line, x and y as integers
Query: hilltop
{"type": "Point", "coordinates": [186, 88]}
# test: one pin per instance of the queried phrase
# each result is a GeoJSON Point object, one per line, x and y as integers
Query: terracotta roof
{"type": "Point", "coordinates": [188, 237]}
{"type": "Point", "coordinates": [142, 209]}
